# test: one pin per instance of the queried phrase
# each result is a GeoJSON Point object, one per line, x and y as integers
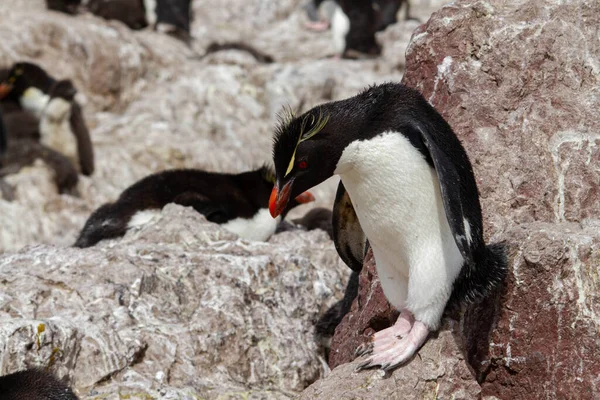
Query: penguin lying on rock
{"type": "Point", "coordinates": [62, 126]}
{"type": "Point", "coordinates": [238, 202]}
{"type": "Point", "coordinates": [408, 186]}
{"type": "Point", "coordinates": [34, 384]}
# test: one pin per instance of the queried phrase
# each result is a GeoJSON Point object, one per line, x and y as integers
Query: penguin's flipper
{"type": "Point", "coordinates": [348, 236]}
{"type": "Point", "coordinates": [213, 212]}
{"type": "Point", "coordinates": [85, 150]}
{"type": "Point", "coordinates": [458, 187]}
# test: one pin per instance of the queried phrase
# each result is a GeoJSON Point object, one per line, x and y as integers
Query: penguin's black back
{"type": "Point", "coordinates": [174, 12]}
{"type": "Point", "coordinates": [34, 384]}
{"type": "Point", "coordinates": [130, 12]}
{"type": "Point", "coordinates": [3, 138]}
{"type": "Point", "coordinates": [219, 197]}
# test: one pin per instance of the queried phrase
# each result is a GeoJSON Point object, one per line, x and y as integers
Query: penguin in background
{"type": "Point", "coordinates": [238, 202]}
{"type": "Point", "coordinates": [62, 126]}
{"type": "Point", "coordinates": [408, 187]}
{"type": "Point", "coordinates": [172, 17]}
{"type": "Point", "coordinates": [130, 12]}
{"type": "Point", "coordinates": [3, 138]}
{"type": "Point", "coordinates": [66, 6]}
{"type": "Point", "coordinates": [354, 23]}
{"type": "Point", "coordinates": [34, 384]}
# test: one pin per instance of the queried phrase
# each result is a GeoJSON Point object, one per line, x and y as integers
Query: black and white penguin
{"type": "Point", "coordinates": [353, 26]}
{"type": "Point", "coordinates": [354, 23]}
{"type": "Point", "coordinates": [238, 202]}
{"type": "Point", "coordinates": [34, 384]}
{"type": "Point", "coordinates": [407, 184]}
{"type": "Point", "coordinates": [62, 126]}
{"type": "Point", "coordinates": [65, 6]}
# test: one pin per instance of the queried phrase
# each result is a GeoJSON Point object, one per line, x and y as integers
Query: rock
{"type": "Point", "coordinates": [178, 307]}
{"type": "Point", "coordinates": [438, 372]}
{"type": "Point", "coordinates": [519, 83]}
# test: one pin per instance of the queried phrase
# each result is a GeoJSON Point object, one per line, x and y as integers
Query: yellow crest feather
{"type": "Point", "coordinates": [317, 126]}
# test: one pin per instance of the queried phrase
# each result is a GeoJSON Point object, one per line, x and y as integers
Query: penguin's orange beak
{"type": "Point", "coordinates": [5, 89]}
{"type": "Point", "coordinates": [305, 197]}
{"type": "Point", "coordinates": [279, 199]}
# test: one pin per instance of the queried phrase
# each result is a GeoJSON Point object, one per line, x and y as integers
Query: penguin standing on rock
{"type": "Point", "coordinates": [238, 202]}
{"type": "Point", "coordinates": [407, 184]}
{"type": "Point", "coordinates": [34, 384]}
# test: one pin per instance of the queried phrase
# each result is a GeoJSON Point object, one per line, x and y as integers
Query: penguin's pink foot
{"type": "Point", "coordinates": [318, 26]}
{"type": "Point", "coordinates": [382, 338]}
{"type": "Point", "coordinates": [392, 351]}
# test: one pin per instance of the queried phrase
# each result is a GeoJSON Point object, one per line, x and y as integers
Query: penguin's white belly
{"type": "Point", "coordinates": [340, 26]}
{"type": "Point", "coordinates": [397, 199]}
{"type": "Point", "coordinates": [55, 129]}
{"type": "Point", "coordinates": [260, 227]}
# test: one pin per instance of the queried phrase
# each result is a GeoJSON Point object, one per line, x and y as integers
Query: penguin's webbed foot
{"type": "Point", "coordinates": [395, 345]}
{"type": "Point", "coordinates": [317, 26]}
{"type": "Point", "coordinates": [384, 337]}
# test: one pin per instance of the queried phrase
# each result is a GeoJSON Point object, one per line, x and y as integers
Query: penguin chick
{"type": "Point", "coordinates": [317, 218]}
{"type": "Point", "coordinates": [238, 202]}
{"type": "Point", "coordinates": [413, 194]}
{"type": "Point", "coordinates": [34, 384]}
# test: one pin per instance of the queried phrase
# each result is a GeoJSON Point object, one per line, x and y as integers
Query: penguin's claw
{"type": "Point", "coordinates": [364, 349]}
{"type": "Point", "coordinates": [397, 351]}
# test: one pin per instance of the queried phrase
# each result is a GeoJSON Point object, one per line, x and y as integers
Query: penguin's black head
{"type": "Point", "coordinates": [23, 75]}
{"type": "Point", "coordinates": [303, 153]}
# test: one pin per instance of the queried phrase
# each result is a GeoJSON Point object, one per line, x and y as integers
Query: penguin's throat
{"type": "Point", "coordinates": [34, 101]}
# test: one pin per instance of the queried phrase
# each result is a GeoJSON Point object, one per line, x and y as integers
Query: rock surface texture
{"type": "Point", "coordinates": [520, 84]}
{"type": "Point", "coordinates": [177, 309]}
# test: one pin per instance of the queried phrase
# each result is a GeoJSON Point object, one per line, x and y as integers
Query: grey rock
{"type": "Point", "coordinates": [179, 306]}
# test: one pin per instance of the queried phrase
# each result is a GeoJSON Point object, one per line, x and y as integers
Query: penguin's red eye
{"type": "Point", "coordinates": [302, 165]}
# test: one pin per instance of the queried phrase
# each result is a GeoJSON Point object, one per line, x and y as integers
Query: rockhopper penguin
{"type": "Point", "coordinates": [239, 202]}
{"type": "Point", "coordinates": [62, 126]}
{"type": "Point", "coordinates": [407, 183]}
{"type": "Point", "coordinates": [34, 384]}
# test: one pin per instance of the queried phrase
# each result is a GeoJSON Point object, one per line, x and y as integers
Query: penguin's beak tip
{"type": "Point", "coordinates": [273, 202]}
{"type": "Point", "coordinates": [279, 199]}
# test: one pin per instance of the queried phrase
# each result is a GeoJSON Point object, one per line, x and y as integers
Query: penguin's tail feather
{"type": "Point", "coordinates": [478, 281]}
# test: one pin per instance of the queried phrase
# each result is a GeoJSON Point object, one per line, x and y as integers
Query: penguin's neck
{"type": "Point", "coordinates": [34, 101]}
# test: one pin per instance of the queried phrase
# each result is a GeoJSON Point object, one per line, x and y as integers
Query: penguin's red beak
{"type": "Point", "coordinates": [279, 199]}
{"type": "Point", "coordinates": [305, 197]}
{"type": "Point", "coordinates": [5, 89]}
